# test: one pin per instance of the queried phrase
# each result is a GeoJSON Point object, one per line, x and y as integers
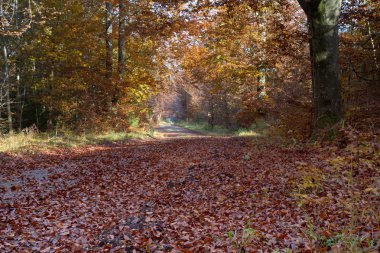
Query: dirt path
{"type": "Point", "coordinates": [168, 195]}
{"type": "Point", "coordinates": [42, 175]}
{"type": "Point", "coordinates": [173, 131]}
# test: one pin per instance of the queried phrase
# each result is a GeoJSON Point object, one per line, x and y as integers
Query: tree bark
{"type": "Point", "coordinates": [122, 38]}
{"type": "Point", "coordinates": [8, 88]}
{"type": "Point", "coordinates": [226, 109]}
{"type": "Point", "coordinates": [21, 93]}
{"type": "Point", "coordinates": [374, 52]}
{"type": "Point", "coordinates": [109, 44]}
{"type": "Point", "coordinates": [323, 18]}
{"type": "Point", "coordinates": [211, 112]}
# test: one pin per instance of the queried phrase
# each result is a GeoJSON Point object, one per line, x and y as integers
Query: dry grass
{"type": "Point", "coordinates": [22, 142]}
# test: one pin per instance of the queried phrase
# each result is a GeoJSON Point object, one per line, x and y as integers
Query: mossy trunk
{"type": "Point", "coordinates": [323, 17]}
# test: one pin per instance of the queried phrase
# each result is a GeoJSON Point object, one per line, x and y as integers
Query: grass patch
{"type": "Point", "coordinates": [204, 128]}
{"type": "Point", "coordinates": [247, 133]}
{"type": "Point", "coordinates": [217, 130]}
{"type": "Point", "coordinates": [21, 142]}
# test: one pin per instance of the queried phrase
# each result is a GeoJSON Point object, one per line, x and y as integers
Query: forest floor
{"type": "Point", "coordinates": [200, 194]}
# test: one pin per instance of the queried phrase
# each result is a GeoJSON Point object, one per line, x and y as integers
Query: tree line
{"type": "Point", "coordinates": [103, 64]}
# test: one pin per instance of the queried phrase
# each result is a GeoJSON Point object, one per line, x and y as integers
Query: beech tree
{"type": "Point", "coordinates": [109, 44]}
{"type": "Point", "coordinates": [323, 17]}
{"type": "Point", "coordinates": [122, 37]}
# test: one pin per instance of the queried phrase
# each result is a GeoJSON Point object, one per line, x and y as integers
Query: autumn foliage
{"type": "Point", "coordinates": [91, 67]}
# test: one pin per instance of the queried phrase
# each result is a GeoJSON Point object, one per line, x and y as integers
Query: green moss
{"type": "Point", "coordinates": [327, 119]}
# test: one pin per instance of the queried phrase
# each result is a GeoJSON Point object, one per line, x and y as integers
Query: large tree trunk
{"type": "Point", "coordinates": [109, 45]}
{"type": "Point", "coordinates": [122, 37]}
{"type": "Point", "coordinates": [323, 17]}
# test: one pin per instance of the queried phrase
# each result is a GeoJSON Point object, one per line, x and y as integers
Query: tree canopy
{"type": "Point", "coordinates": [103, 64]}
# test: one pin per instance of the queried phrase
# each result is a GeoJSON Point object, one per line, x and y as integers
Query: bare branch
{"type": "Point", "coordinates": [9, 23]}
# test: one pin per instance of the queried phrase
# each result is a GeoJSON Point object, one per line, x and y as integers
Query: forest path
{"type": "Point", "coordinates": [165, 195]}
{"type": "Point", "coordinates": [174, 131]}
{"type": "Point", "coordinates": [42, 175]}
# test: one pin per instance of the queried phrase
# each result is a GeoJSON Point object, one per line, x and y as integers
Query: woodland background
{"type": "Point", "coordinates": [94, 65]}
{"type": "Point", "coordinates": [105, 69]}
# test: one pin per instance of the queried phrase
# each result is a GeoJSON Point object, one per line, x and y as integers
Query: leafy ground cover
{"type": "Point", "coordinates": [202, 194]}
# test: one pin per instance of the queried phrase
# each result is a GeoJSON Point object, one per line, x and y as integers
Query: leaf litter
{"type": "Point", "coordinates": [186, 195]}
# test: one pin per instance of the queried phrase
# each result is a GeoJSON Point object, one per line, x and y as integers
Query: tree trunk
{"type": "Point", "coordinates": [226, 109]}
{"type": "Point", "coordinates": [8, 88]}
{"type": "Point", "coordinates": [21, 93]}
{"type": "Point", "coordinates": [109, 45]}
{"type": "Point", "coordinates": [323, 17]}
{"type": "Point", "coordinates": [1, 104]}
{"type": "Point", "coordinates": [122, 37]}
{"type": "Point", "coordinates": [211, 112]}
{"type": "Point", "coordinates": [376, 75]}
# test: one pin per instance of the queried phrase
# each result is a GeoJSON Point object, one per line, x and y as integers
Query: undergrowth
{"type": "Point", "coordinates": [217, 130]}
{"type": "Point", "coordinates": [353, 170]}
{"type": "Point", "coordinates": [21, 141]}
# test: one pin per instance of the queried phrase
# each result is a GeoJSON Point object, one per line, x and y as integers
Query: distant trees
{"type": "Point", "coordinates": [250, 64]}
{"type": "Point", "coordinates": [95, 63]}
{"type": "Point", "coordinates": [62, 72]}
{"type": "Point", "coordinates": [359, 59]}
{"type": "Point", "coordinates": [255, 55]}
{"type": "Point", "coordinates": [15, 19]}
